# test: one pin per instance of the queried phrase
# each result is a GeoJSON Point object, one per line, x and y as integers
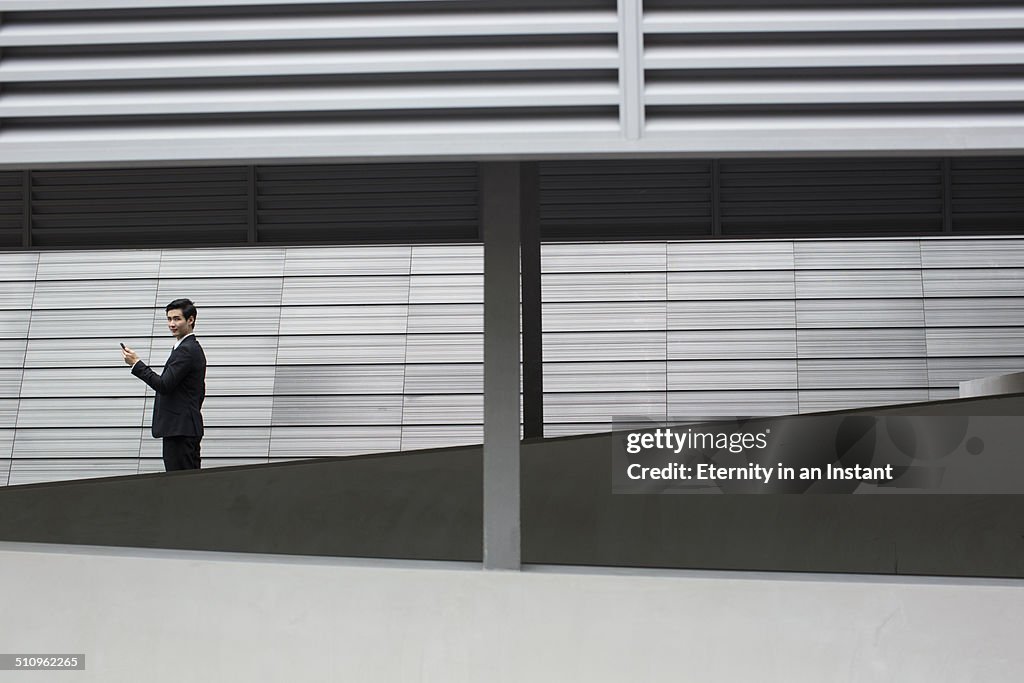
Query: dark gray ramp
{"type": "Point", "coordinates": [427, 505]}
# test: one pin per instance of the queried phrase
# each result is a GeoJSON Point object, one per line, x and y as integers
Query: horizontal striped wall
{"type": "Point", "coordinates": [319, 351]}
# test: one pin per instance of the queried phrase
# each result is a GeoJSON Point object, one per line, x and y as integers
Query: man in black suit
{"type": "Point", "coordinates": [180, 389]}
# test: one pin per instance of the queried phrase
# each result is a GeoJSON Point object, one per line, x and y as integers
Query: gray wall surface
{"type": "Point", "coordinates": [332, 351]}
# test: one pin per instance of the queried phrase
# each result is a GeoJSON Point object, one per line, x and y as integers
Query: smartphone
{"type": "Point", "coordinates": [123, 346]}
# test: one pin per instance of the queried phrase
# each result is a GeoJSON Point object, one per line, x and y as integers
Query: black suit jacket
{"type": "Point", "coordinates": [180, 390]}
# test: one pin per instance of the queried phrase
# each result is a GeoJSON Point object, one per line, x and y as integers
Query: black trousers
{"type": "Point", "coordinates": [181, 452]}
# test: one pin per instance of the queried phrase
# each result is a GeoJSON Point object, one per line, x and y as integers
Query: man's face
{"type": "Point", "coordinates": [177, 324]}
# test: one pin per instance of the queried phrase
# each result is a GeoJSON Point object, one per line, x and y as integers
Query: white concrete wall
{"type": "Point", "coordinates": [176, 616]}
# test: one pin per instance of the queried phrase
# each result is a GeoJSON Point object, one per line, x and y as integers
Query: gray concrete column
{"type": "Point", "coordinates": [500, 221]}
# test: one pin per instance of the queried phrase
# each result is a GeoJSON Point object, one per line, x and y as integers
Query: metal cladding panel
{"type": "Point", "coordinates": [225, 263]}
{"type": "Point", "coordinates": [850, 255]}
{"type": "Point", "coordinates": [750, 314]}
{"type": "Point", "coordinates": [859, 313]}
{"type": "Point", "coordinates": [333, 320]}
{"type": "Point", "coordinates": [6, 448]}
{"type": "Point", "coordinates": [444, 348]}
{"type": "Point", "coordinates": [969, 342]}
{"type": "Point", "coordinates": [608, 407]}
{"type": "Point", "coordinates": [74, 442]}
{"type": "Point", "coordinates": [731, 345]}
{"type": "Point", "coordinates": [137, 264]}
{"type": "Point", "coordinates": [446, 318]}
{"type": "Point", "coordinates": [117, 324]}
{"type": "Point", "coordinates": [972, 253]}
{"type": "Point", "coordinates": [319, 411]}
{"type": "Point", "coordinates": [16, 295]}
{"type": "Point", "coordinates": [219, 321]}
{"type": "Point", "coordinates": [688, 405]}
{"type": "Point", "coordinates": [82, 352]}
{"type": "Point", "coordinates": [8, 412]}
{"type": "Point", "coordinates": [979, 312]}
{"type": "Point", "coordinates": [974, 282]}
{"type": "Point", "coordinates": [604, 346]}
{"type": "Point", "coordinates": [858, 284]}
{"type": "Point", "coordinates": [235, 351]}
{"type": "Point", "coordinates": [863, 373]}
{"type": "Point", "coordinates": [252, 292]}
{"type": "Point", "coordinates": [460, 409]}
{"type": "Point", "coordinates": [623, 316]}
{"type": "Point", "coordinates": [721, 285]}
{"type": "Point", "coordinates": [108, 382]}
{"type": "Point", "coordinates": [446, 289]}
{"type": "Point", "coordinates": [604, 258]}
{"type": "Point", "coordinates": [862, 343]}
{"type": "Point", "coordinates": [12, 353]}
{"type": "Point", "coordinates": [602, 376]}
{"type": "Point", "coordinates": [18, 267]}
{"type": "Point", "coordinates": [732, 375]}
{"type": "Point", "coordinates": [443, 378]}
{"type": "Point", "coordinates": [949, 372]}
{"type": "Point", "coordinates": [14, 324]}
{"type": "Point", "coordinates": [10, 382]}
{"type": "Point", "coordinates": [82, 295]}
{"type": "Point", "coordinates": [623, 286]}
{"type": "Point", "coordinates": [230, 411]}
{"type": "Point", "coordinates": [813, 401]}
{"type": "Point", "coordinates": [338, 380]}
{"type": "Point", "coordinates": [341, 349]}
{"type": "Point", "coordinates": [353, 290]}
{"type": "Point", "coordinates": [39, 470]}
{"type": "Point", "coordinates": [730, 256]}
{"type": "Point", "coordinates": [415, 437]}
{"type": "Point", "coordinates": [348, 261]}
{"type": "Point", "coordinates": [238, 445]}
{"type": "Point", "coordinates": [82, 412]}
{"type": "Point", "coordinates": [312, 442]}
{"type": "Point", "coordinates": [447, 259]}
{"type": "Point", "coordinates": [230, 380]}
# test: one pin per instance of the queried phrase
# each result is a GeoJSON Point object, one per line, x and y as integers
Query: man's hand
{"type": "Point", "coordinates": [130, 357]}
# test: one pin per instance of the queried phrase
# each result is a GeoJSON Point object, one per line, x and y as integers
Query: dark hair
{"type": "Point", "coordinates": [187, 308]}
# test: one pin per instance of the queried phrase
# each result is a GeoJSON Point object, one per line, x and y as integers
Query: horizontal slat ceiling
{"type": "Point", "coordinates": [988, 195]}
{"type": "Point", "coordinates": [12, 209]}
{"type": "Point", "coordinates": [752, 64]}
{"type": "Point", "coordinates": [295, 69]}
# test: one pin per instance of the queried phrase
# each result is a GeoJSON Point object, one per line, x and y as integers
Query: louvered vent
{"type": "Point", "coordinates": [12, 209]}
{"type": "Point", "coordinates": [988, 195]}
{"type": "Point", "coordinates": [817, 197]}
{"type": "Point", "coordinates": [799, 69]}
{"type": "Point", "coordinates": [350, 77]}
{"type": "Point", "coordinates": [625, 200]}
{"type": "Point", "coordinates": [378, 202]}
{"type": "Point", "coordinates": [137, 207]}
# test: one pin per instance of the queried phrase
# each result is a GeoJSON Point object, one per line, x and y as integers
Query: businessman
{"type": "Point", "coordinates": [180, 389]}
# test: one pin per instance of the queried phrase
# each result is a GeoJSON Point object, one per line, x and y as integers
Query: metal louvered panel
{"type": "Point", "coordinates": [622, 286]}
{"type": "Point", "coordinates": [863, 373]}
{"type": "Point", "coordinates": [335, 79]}
{"type": "Point", "coordinates": [736, 375]}
{"type": "Point", "coordinates": [835, 197]}
{"type": "Point", "coordinates": [754, 314]}
{"type": "Point", "coordinates": [1006, 341]}
{"type": "Point", "coordinates": [139, 207]}
{"type": "Point", "coordinates": [949, 372]}
{"type": "Point", "coordinates": [415, 202]}
{"type": "Point", "coordinates": [620, 257]}
{"type": "Point", "coordinates": [861, 343]}
{"type": "Point", "coordinates": [16, 267]}
{"type": "Point", "coordinates": [858, 284]}
{"type": "Point", "coordinates": [862, 254]}
{"type": "Point", "coordinates": [723, 285]}
{"type": "Point", "coordinates": [602, 376]}
{"type": "Point", "coordinates": [12, 209]}
{"type": "Point", "coordinates": [625, 200]}
{"type": "Point", "coordinates": [812, 401]}
{"type": "Point", "coordinates": [302, 320]}
{"type": "Point", "coordinates": [686, 405]}
{"type": "Point", "coordinates": [847, 313]}
{"type": "Point", "coordinates": [987, 195]}
{"type": "Point", "coordinates": [974, 282]}
{"type": "Point", "coordinates": [312, 442]}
